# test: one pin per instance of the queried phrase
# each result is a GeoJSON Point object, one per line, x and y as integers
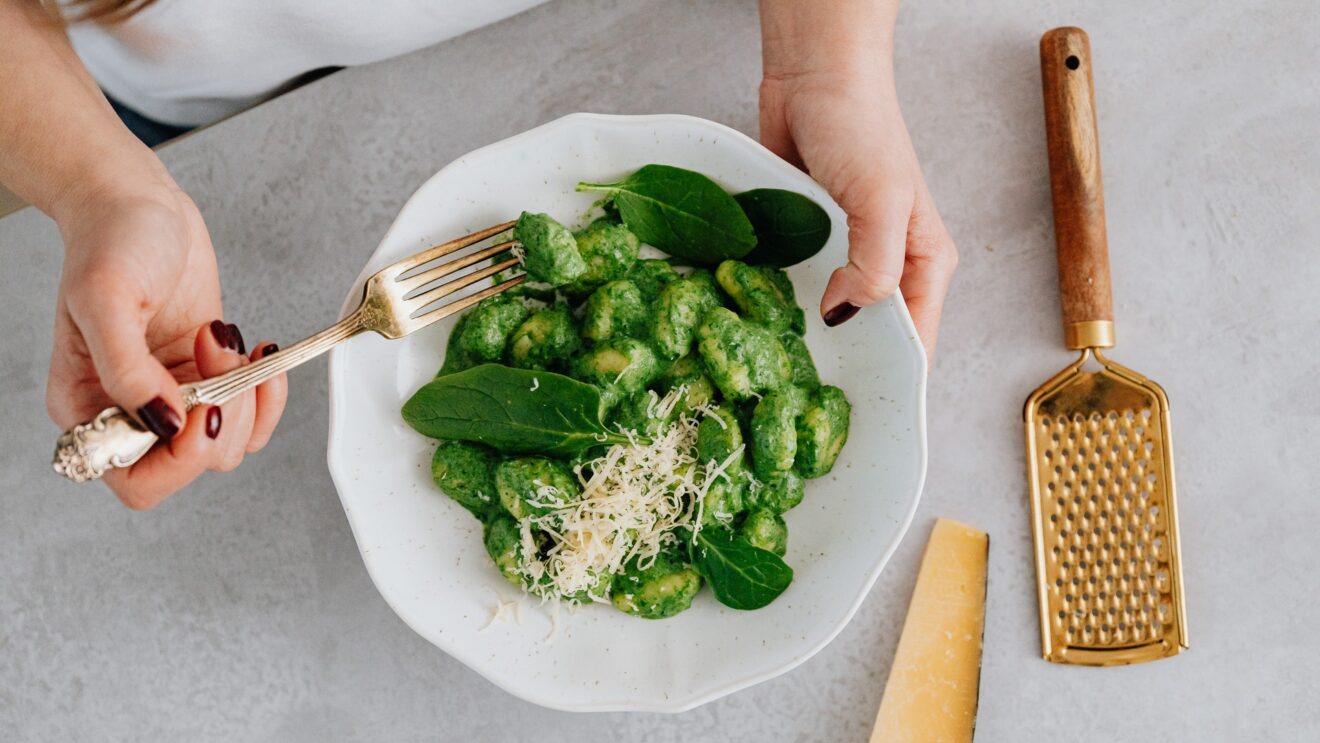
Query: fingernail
{"type": "Point", "coordinates": [269, 349]}
{"type": "Point", "coordinates": [160, 418]}
{"type": "Point", "coordinates": [213, 422]}
{"type": "Point", "coordinates": [239, 345]}
{"type": "Point", "coordinates": [220, 332]}
{"type": "Point", "coordinates": [841, 314]}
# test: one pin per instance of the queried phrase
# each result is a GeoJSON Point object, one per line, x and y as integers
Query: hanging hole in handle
{"type": "Point", "coordinates": [1072, 62]}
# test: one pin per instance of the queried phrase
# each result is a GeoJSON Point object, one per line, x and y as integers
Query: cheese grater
{"type": "Point", "coordinates": [1099, 454]}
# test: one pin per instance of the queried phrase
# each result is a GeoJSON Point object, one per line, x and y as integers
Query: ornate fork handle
{"type": "Point", "coordinates": [116, 439]}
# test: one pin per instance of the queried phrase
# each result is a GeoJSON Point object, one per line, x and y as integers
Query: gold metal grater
{"type": "Point", "coordinates": [1099, 454]}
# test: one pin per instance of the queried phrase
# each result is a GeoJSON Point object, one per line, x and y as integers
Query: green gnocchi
{"type": "Point", "coordinates": [662, 346]}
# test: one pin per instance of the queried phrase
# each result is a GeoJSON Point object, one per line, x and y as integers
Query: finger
{"type": "Point", "coordinates": [775, 133]}
{"type": "Point", "coordinates": [166, 469]}
{"type": "Point", "coordinates": [114, 329]}
{"type": "Point", "coordinates": [271, 397]}
{"type": "Point", "coordinates": [878, 217]}
{"type": "Point", "coordinates": [932, 259]}
{"type": "Point", "coordinates": [218, 349]}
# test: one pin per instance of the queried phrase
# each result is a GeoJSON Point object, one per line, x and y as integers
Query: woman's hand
{"type": "Point", "coordinates": [829, 106]}
{"type": "Point", "coordinates": [139, 301]}
{"type": "Point", "coordinates": [138, 313]}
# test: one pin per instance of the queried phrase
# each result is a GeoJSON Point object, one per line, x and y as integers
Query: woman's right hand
{"type": "Point", "coordinates": [138, 313]}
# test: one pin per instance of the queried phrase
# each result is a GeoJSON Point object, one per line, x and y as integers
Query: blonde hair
{"type": "Point", "coordinates": [94, 11]}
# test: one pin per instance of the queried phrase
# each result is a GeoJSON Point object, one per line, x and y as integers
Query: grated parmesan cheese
{"type": "Point", "coordinates": [501, 611]}
{"type": "Point", "coordinates": [639, 498]}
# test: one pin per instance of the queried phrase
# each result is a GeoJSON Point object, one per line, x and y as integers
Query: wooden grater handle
{"type": "Point", "coordinates": [1079, 198]}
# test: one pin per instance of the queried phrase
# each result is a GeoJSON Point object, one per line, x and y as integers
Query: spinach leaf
{"type": "Point", "coordinates": [742, 576]}
{"type": "Point", "coordinates": [790, 227]}
{"type": "Point", "coordinates": [681, 212]}
{"type": "Point", "coordinates": [497, 406]}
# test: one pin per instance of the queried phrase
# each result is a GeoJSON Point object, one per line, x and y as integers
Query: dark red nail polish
{"type": "Point", "coordinates": [239, 345]}
{"type": "Point", "coordinates": [160, 418]}
{"type": "Point", "coordinates": [213, 422]}
{"type": "Point", "coordinates": [841, 314]}
{"type": "Point", "coordinates": [220, 332]}
{"type": "Point", "coordinates": [269, 349]}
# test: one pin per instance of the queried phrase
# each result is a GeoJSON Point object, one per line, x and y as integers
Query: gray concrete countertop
{"type": "Point", "coordinates": [240, 610]}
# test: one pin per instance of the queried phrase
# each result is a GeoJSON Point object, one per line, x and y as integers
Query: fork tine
{"type": "Point", "coordinates": [444, 311]}
{"type": "Point", "coordinates": [446, 248]}
{"type": "Point", "coordinates": [449, 287]}
{"type": "Point", "coordinates": [444, 269]}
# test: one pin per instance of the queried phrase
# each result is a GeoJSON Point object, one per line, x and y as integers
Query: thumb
{"type": "Point", "coordinates": [878, 217]}
{"type": "Point", "coordinates": [115, 333]}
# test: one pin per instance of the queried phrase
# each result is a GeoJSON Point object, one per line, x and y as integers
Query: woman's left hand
{"type": "Point", "coordinates": [829, 106]}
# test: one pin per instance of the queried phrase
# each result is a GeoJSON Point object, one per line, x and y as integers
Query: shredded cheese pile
{"type": "Point", "coordinates": [637, 498]}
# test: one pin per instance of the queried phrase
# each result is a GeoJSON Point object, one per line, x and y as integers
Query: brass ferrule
{"type": "Point", "coordinates": [1089, 334]}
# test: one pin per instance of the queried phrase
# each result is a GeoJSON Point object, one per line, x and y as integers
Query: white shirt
{"type": "Point", "coordinates": [190, 62]}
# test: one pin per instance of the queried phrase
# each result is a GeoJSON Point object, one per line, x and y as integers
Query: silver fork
{"type": "Point", "coordinates": [395, 302]}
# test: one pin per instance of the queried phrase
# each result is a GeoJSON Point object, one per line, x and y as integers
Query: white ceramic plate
{"type": "Point", "coordinates": [424, 552]}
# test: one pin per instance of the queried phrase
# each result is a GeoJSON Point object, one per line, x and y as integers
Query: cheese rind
{"type": "Point", "coordinates": [933, 686]}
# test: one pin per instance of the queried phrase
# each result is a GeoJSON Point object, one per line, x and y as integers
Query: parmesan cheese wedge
{"type": "Point", "coordinates": [933, 686]}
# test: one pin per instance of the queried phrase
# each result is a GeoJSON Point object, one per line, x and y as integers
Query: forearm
{"type": "Point", "coordinates": [60, 141]}
{"type": "Point", "coordinates": [826, 37]}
